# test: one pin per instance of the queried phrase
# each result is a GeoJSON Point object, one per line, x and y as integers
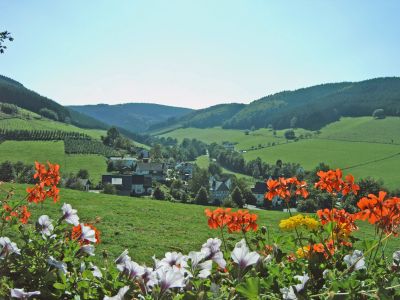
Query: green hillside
{"type": "Point", "coordinates": [13, 92]}
{"type": "Point", "coordinates": [311, 108]}
{"type": "Point", "coordinates": [29, 151]}
{"type": "Point", "coordinates": [202, 118]}
{"type": "Point", "coordinates": [135, 117]}
{"type": "Point", "coordinates": [364, 129]}
{"type": "Point", "coordinates": [362, 146]}
{"type": "Point", "coordinates": [137, 223]}
{"type": "Point", "coordinates": [46, 124]}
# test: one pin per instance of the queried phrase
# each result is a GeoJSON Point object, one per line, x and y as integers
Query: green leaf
{"type": "Point", "coordinates": [59, 286]}
{"type": "Point", "coordinates": [249, 289]}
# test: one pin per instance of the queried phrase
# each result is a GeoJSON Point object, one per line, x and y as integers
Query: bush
{"type": "Point", "coordinates": [7, 172]}
{"type": "Point", "coordinates": [379, 113]}
{"type": "Point", "coordinates": [48, 113]}
{"type": "Point", "coordinates": [8, 108]}
{"type": "Point", "coordinates": [237, 197]}
{"type": "Point", "coordinates": [83, 174]}
{"type": "Point", "coordinates": [109, 189]}
{"type": "Point", "coordinates": [202, 197]}
{"type": "Point", "coordinates": [228, 202]}
{"type": "Point", "coordinates": [290, 135]}
{"type": "Point", "coordinates": [158, 194]}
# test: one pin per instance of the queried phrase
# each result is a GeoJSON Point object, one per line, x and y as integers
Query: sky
{"type": "Point", "coordinates": [195, 53]}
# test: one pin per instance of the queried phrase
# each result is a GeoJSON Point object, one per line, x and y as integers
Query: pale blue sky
{"type": "Point", "coordinates": [195, 53]}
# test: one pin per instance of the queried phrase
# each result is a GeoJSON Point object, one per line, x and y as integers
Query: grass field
{"type": "Point", "coordinates": [338, 154]}
{"type": "Point", "coordinates": [46, 124]}
{"type": "Point", "coordinates": [203, 162]}
{"type": "Point", "coordinates": [243, 142]}
{"type": "Point", "coordinates": [29, 151]}
{"type": "Point", "coordinates": [361, 145]}
{"type": "Point", "coordinates": [364, 129]}
{"type": "Point", "coordinates": [137, 224]}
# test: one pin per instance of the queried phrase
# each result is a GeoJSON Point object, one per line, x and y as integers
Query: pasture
{"type": "Point", "coordinates": [46, 124]}
{"type": "Point", "coordinates": [53, 151]}
{"type": "Point", "coordinates": [362, 146]}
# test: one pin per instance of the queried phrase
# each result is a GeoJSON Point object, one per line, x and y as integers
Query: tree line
{"type": "Point", "coordinates": [40, 135]}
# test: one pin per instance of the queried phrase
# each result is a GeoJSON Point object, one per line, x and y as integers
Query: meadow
{"type": "Point", "coordinates": [138, 223]}
{"type": "Point", "coordinates": [363, 146]}
{"type": "Point", "coordinates": [46, 124]}
{"type": "Point", "coordinates": [53, 151]}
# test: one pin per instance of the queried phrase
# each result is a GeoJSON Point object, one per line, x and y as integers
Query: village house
{"type": "Point", "coordinates": [128, 185]}
{"type": "Point", "coordinates": [127, 162]}
{"type": "Point", "coordinates": [85, 183]}
{"type": "Point", "coordinates": [156, 170]}
{"type": "Point", "coordinates": [141, 185]}
{"type": "Point", "coordinates": [219, 190]}
{"type": "Point", "coordinates": [229, 146]}
{"type": "Point", "coordinates": [185, 170]}
{"type": "Point", "coordinates": [259, 190]}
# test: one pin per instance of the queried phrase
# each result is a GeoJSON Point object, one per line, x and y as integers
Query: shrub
{"type": "Point", "coordinates": [7, 171]}
{"type": "Point", "coordinates": [109, 189]}
{"type": "Point", "coordinates": [83, 174]}
{"type": "Point", "coordinates": [48, 113]}
{"type": "Point", "coordinates": [379, 113]}
{"type": "Point", "coordinates": [158, 194]}
{"type": "Point", "coordinates": [237, 197]}
{"type": "Point", "coordinates": [8, 108]}
{"type": "Point", "coordinates": [202, 196]}
{"type": "Point", "coordinates": [290, 135]}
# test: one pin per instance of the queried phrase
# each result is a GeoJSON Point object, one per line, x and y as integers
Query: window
{"type": "Point", "coordinates": [116, 180]}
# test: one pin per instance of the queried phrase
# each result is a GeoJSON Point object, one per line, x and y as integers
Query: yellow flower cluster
{"type": "Point", "coordinates": [297, 221]}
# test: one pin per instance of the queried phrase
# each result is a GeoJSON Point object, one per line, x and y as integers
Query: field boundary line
{"type": "Point", "coordinates": [371, 161]}
{"type": "Point", "coordinates": [352, 141]}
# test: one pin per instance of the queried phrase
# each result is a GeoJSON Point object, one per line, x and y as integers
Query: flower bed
{"type": "Point", "coordinates": [54, 259]}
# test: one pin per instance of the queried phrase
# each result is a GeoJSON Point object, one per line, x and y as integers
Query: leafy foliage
{"type": "Point", "coordinates": [87, 146]}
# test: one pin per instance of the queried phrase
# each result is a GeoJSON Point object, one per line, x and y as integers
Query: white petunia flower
{"type": "Point", "coordinates": [69, 214]}
{"type": "Point", "coordinates": [356, 260]}
{"type": "Point", "coordinates": [96, 271]}
{"type": "Point", "coordinates": [7, 247]}
{"type": "Point", "coordinates": [303, 280]}
{"type": "Point", "coordinates": [60, 265]}
{"type": "Point", "coordinates": [21, 294]}
{"type": "Point", "coordinates": [123, 257]}
{"type": "Point", "coordinates": [149, 277]}
{"type": "Point", "coordinates": [120, 296]}
{"type": "Point", "coordinates": [132, 269]}
{"type": "Point", "coordinates": [88, 249]}
{"type": "Point", "coordinates": [169, 277]}
{"type": "Point", "coordinates": [88, 234]}
{"type": "Point", "coordinates": [211, 250]}
{"type": "Point", "coordinates": [396, 258]}
{"type": "Point", "coordinates": [44, 225]}
{"type": "Point", "coordinates": [204, 267]}
{"type": "Point", "coordinates": [288, 293]}
{"type": "Point", "coordinates": [174, 259]}
{"type": "Point", "coordinates": [242, 255]}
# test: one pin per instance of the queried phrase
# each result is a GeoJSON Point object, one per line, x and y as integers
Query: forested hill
{"type": "Point", "coordinates": [135, 117]}
{"type": "Point", "coordinates": [12, 91]}
{"type": "Point", "coordinates": [310, 108]}
{"type": "Point", "coordinates": [317, 106]}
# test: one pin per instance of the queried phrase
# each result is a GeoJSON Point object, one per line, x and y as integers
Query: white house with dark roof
{"type": "Point", "coordinates": [219, 190]}
{"type": "Point", "coordinates": [156, 170]}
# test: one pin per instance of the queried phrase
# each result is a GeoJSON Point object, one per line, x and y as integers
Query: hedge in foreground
{"type": "Point", "coordinates": [54, 259]}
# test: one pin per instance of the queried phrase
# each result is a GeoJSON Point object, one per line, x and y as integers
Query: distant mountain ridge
{"type": "Point", "coordinates": [310, 108]}
{"type": "Point", "coordinates": [135, 117]}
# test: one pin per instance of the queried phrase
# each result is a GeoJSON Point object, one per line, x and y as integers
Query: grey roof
{"type": "Point", "coordinates": [151, 166]}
